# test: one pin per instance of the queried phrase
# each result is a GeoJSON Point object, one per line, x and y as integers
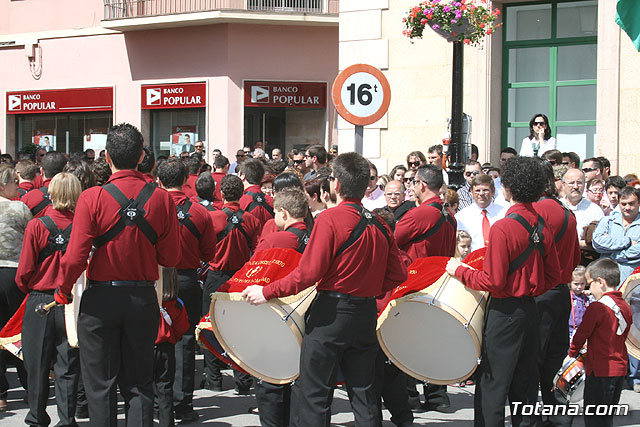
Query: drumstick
{"type": "Point", "coordinates": [42, 309]}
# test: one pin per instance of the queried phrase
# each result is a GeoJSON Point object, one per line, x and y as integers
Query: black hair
{"type": "Point", "coordinates": [172, 173]}
{"type": "Point", "coordinates": [417, 154]}
{"type": "Point", "coordinates": [286, 180]}
{"type": "Point", "coordinates": [474, 150]}
{"type": "Point", "coordinates": [549, 176]}
{"type": "Point", "coordinates": [629, 191]}
{"type": "Point", "coordinates": [101, 170]}
{"type": "Point", "coordinates": [124, 145]}
{"type": "Point", "coordinates": [615, 181]}
{"type": "Point", "coordinates": [555, 155]}
{"type": "Point", "coordinates": [169, 283]}
{"type": "Point", "coordinates": [547, 129]}
{"type": "Point", "coordinates": [318, 151]}
{"type": "Point", "coordinates": [352, 172]}
{"type": "Point", "coordinates": [597, 163]}
{"type": "Point", "coordinates": [194, 164]}
{"type": "Point", "coordinates": [53, 163]}
{"type": "Point", "coordinates": [395, 169]}
{"type": "Point", "coordinates": [387, 216]}
{"type": "Point", "coordinates": [605, 162]}
{"type": "Point", "coordinates": [253, 171]}
{"type": "Point", "coordinates": [220, 162]}
{"type": "Point", "coordinates": [205, 186]}
{"type": "Point", "coordinates": [430, 175]}
{"type": "Point", "coordinates": [524, 178]}
{"type": "Point", "coordinates": [604, 268]}
{"type": "Point", "coordinates": [148, 162]}
{"type": "Point", "coordinates": [509, 150]}
{"type": "Point", "coordinates": [435, 149]}
{"type": "Point", "coordinates": [573, 157]}
{"type": "Point", "coordinates": [231, 188]}
{"type": "Point", "coordinates": [82, 171]}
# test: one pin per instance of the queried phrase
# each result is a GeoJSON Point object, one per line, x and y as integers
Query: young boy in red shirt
{"type": "Point", "coordinates": [605, 325]}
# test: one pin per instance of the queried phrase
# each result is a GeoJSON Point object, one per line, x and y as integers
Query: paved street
{"type": "Point", "coordinates": [227, 409]}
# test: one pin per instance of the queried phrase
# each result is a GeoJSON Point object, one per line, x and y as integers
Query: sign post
{"type": "Point", "coordinates": [361, 95]}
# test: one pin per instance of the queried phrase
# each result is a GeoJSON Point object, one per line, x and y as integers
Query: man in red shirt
{"type": "Point", "coordinates": [198, 242]}
{"type": "Point", "coordinates": [147, 165]}
{"type": "Point", "coordinates": [205, 187]}
{"type": "Point", "coordinates": [38, 201]}
{"type": "Point", "coordinates": [27, 171]}
{"type": "Point", "coordinates": [133, 227]}
{"type": "Point", "coordinates": [221, 166]}
{"type": "Point", "coordinates": [237, 234]}
{"type": "Point", "coordinates": [341, 323]}
{"type": "Point", "coordinates": [189, 187]}
{"type": "Point", "coordinates": [554, 306]}
{"type": "Point", "coordinates": [428, 230]}
{"type": "Point", "coordinates": [254, 200]}
{"type": "Point", "coordinates": [521, 262]}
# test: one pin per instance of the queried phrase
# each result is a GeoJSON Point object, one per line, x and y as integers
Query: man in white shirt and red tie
{"type": "Point", "coordinates": [478, 218]}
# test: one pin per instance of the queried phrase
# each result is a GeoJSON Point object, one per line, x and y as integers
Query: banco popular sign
{"type": "Point", "coordinates": [181, 95]}
{"type": "Point", "coordinates": [60, 100]}
{"type": "Point", "coordinates": [285, 94]}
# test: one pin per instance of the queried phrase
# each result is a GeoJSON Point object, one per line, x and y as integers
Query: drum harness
{"type": "Point", "coordinates": [22, 192]}
{"type": "Point", "coordinates": [234, 221]}
{"type": "Point", "coordinates": [184, 217]}
{"type": "Point", "coordinates": [303, 238]}
{"type": "Point", "coordinates": [58, 239]}
{"type": "Point", "coordinates": [46, 201]}
{"type": "Point", "coordinates": [207, 204]}
{"type": "Point", "coordinates": [444, 216]}
{"type": "Point", "coordinates": [536, 239]}
{"type": "Point", "coordinates": [565, 221]}
{"type": "Point", "coordinates": [259, 199]}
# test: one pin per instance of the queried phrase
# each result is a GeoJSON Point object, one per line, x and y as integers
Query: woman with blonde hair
{"type": "Point", "coordinates": [44, 339]}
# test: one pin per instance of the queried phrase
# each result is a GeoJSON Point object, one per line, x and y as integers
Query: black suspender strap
{"type": "Point", "coordinates": [259, 199]}
{"type": "Point", "coordinates": [207, 204]}
{"type": "Point", "coordinates": [367, 219]}
{"type": "Point", "coordinates": [565, 221]}
{"type": "Point", "coordinates": [444, 216]}
{"type": "Point", "coordinates": [131, 213]}
{"type": "Point", "coordinates": [22, 191]}
{"type": "Point", "coordinates": [303, 238]}
{"type": "Point", "coordinates": [234, 220]}
{"type": "Point", "coordinates": [58, 238]}
{"type": "Point", "coordinates": [536, 239]}
{"type": "Point", "coordinates": [184, 217]}
{"type": "Point", "coordinates": [46, 201]}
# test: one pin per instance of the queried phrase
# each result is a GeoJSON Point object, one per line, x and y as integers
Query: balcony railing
{"type": "Point", "coordinates": [120, 9]}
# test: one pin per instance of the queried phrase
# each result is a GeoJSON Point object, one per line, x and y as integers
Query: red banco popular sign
{"type": "Point", "coordinates": [285, 94]}
{"type": "Point", "coordinates": [179, 95]}
{"type": "Point", "coordinates": [60, 100]}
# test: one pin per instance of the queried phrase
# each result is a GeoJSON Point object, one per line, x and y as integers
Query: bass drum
{"type": "Point", "coordinates": [72, 310]}
{"type": "Point", "coordinates": [631, 293]}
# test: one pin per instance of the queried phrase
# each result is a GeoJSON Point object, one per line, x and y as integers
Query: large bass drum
{"type": "Point", "coordinates": [631, 293]}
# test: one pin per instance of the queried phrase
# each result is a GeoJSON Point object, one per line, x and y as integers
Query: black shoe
{"type": "Point", "coordinates": [82, 412]}
{"type": "Point", "coordinates": [414, 402]}
{"type": "Point", "coordinates": [212, 387]}
{"type": "Point", "coordinates": [187, 416]}
{"type": "Point", "coordinates": [243, 391]}
{"type": "Point", "coordinates": [438, 407]}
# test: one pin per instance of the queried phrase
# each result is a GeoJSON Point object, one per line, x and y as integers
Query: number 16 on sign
{"type": "Point", "coordinates": [361, 95]}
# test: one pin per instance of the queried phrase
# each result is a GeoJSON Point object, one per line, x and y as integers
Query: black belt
{"type": "Point", "coordinates": [42, 292]}
{"type": "Point", "coordinates": [121, 283]}
{"type": "Point", "coordinates": [188, 272]}
{"type": "Point", "coordinates": [348, 297]}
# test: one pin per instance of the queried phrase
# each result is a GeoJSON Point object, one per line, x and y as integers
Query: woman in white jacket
{"type": "Point", "coordinates": [539, 140]}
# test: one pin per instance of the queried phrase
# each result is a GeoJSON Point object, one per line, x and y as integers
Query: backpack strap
{"type": "Point", "coordinates": [536, 239]}
{"type": "Point", "coordinates": [184, 217]}
{"type": "Point", "coordinates": [131, 213]}
{"type": "Point", "coordinates": [234, 221]}
{"type": "Point", "coordinates": [444, 216]}
{"type": "Point", "coordinates": [259, 199]}
{"type": "Point", "coordinates": [22, 192]}
{"type": "Point", "coordinates": [367, 219]}
{"type": "Point", "coordinates": [303, 238]}
{"type": "Point", "coordinates": [58, 238]}
{"type": "Point", "coordinates": [207, 204]}
{"type": "Point", "coordinates": [565, 221]}
{"type": "Point", "coordinates": [46, 201]}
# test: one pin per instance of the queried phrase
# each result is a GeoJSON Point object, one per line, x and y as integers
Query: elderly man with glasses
{"type": "Point", "coordinates": [394, 193]}
{"type": "Point", "coordinates": [584, 210]}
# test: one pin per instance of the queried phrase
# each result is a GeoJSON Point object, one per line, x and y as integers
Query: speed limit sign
{"type": "Point", "coordinates": [361, 94]}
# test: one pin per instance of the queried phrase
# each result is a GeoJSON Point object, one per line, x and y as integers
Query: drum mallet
{"type": "Point", "coordinates": [43, 309]}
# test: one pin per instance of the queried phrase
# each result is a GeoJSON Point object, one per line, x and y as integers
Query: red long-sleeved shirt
{"type": "Point", "coordinates": [553, 214]}
{"type": "Point", "coordinates": [233, 251]}
{"type": "Point", "coordinates": [130, 255]}
{"type": "Point", "coordinates": [369, 267]}
{"type": "Point", "coordinates": [281, 239]}
{"type": "Point", "coordinates": [33, 198]}
{"type": "Point", "coordinates": [148, 177]}
{"type": "Point", "coordinates": [194, 249]}
{"type": "Point", "coordinates": [217, 194]}
{"type": "Point", "coordinates": [259, 211]}
{"type": "Point", "coordinates": [179, 323]}
{"type": "Point", "coordinates": [268, 228]}
{"type": "Point", "coordinates": [26, 186]}
{"type": "Point", "coordinates": [34, 276]}
{"type": "Point", "coordinates": [607, 352]}
{"type": "Point", "coordinates": [507, 240]}
{"type": "Point", "coordinates": [190, 187]}
{"type": "Point", "coordinates": [418, 221]}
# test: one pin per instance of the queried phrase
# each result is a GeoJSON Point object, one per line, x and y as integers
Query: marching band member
{"type": "Point", "coordinates": [44, 338]}
{"type": "Point", "coordinates": [341, 321]}
{"type": "Point", "coordinates": [254, 200]}
{"type": "Point", "coordinates": [197, 242]}
{"type": "Point", "coordinates": [133, 227]}
{"type": "Point", "coordinates": [521, 262]}
{"type": "Point", "coordinates": [38, 199]}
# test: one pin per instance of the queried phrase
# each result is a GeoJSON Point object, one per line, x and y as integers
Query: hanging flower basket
{"type": "Point", "coordinates": [466, 21]}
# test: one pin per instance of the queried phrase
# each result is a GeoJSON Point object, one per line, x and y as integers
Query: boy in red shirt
{"type": "Point", "coordinates": [605, 326]}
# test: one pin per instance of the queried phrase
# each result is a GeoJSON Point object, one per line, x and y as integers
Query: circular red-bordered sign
{"type": "Point", "coordinates": [361, 94]}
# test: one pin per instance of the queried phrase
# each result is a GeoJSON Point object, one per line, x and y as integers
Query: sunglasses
{"type": "Point", "coordinates": [241, 155]}
{"type": "Point", "coordinates": [331, 178]}
{"type": "Point", "coordinates": [298, 162]}
{"type": "Point", "coordinates": [539, 124]}
{"type": "Point", "coordinates": [411, 180]}
{"type": "Point", "coordinates": [552, 162]}
{"type": "Point", "coordinates": [373, 178]}
{"type": "Point", "coordinates": [413, 164]}
{"type": "Point", "coordinates": [586, 170]}
{"type": "Point", "coordinates": [474, 173]}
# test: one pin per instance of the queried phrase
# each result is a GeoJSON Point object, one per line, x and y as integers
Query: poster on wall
{"type": "Point", "coordinates": [96, 139]}
{"type": "Point", "coordinates": [45, 138]}
{"type": "Point", "coordinates": [183, 139]}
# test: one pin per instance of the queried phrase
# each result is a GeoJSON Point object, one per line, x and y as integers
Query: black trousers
{"type": "Point", "coordinates": [10, 299]}
{"type": "Point", "coordinates": [554, 310]}
{"type": "Point", "coordinates": [212, 364]}
{"type": "Point", "coordinates": [601, 391]}
{"type": "Point", "coordinates": [391, 385]}
{"type": "Point", "coordinates": [44, 340]}
{"type": "Point", "coordinates": [117, 329]}
{"type": "Point", "coordinates": [339, 333]}
{"type": "Point", "coordinates": [274, 403]}
{"type": "Point", "coordinates": [164, 368]}
{"type": "Point", "coordinates": [185, 350]}
{"type": "Point", "coordinates": [509, 365]}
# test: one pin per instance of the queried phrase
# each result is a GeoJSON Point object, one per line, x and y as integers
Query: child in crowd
{"type": "Point", "coordinates": [174, 323]}
{"type": "Point", "coordinates": [463, 245]}
{"type": "Point", "coordinates": [580, 299]}
{"type": "Point", "coordinates": [604, 327]}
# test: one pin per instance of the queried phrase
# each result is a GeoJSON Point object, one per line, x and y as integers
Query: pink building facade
{"type": "Point", "coordinates": [227, 73]}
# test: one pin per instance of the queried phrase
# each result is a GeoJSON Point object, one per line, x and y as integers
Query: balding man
{"type": "Point", "coordinates": [394, 196]}
{"type": "Point", "coordinates": [584, 210]}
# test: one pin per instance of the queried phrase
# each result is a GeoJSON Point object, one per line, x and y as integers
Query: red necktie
{"type": "Point", "coordinates": [485, 227]}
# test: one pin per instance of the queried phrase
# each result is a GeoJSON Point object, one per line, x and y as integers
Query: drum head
{"type": "Point", "coordinates": [258, 339]}
{"type": "Point", "coordinates": [429, 342]}
{"type": "Point", "coordinates": [631, 294]}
